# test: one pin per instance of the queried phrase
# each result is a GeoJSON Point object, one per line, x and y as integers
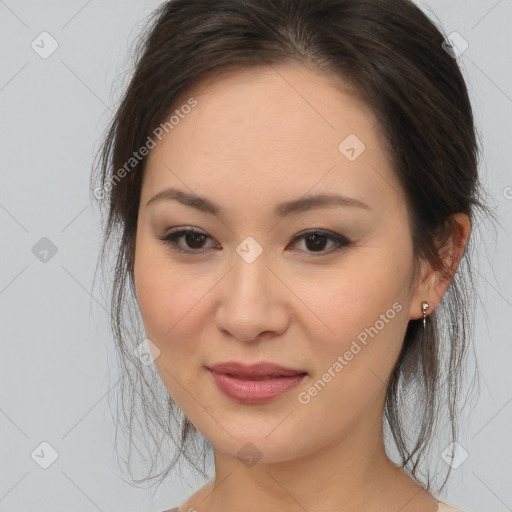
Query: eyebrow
{"type": "Point", "coordinates": [281, 210]}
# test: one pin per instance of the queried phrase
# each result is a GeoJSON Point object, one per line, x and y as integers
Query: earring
{"type": "Point", "coordinates": [424, 306]}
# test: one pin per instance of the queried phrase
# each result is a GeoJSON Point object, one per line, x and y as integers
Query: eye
{"type": "Point", "coordinates": [194, 240]}
{"type": "Point", "coordinates": [315, 241]}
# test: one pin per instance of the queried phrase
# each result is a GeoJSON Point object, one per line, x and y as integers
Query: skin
{"type": "Point", "coordinates": [256, 138]}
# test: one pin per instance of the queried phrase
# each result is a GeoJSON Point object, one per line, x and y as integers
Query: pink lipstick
{"type": "Point", "coordinates": [255, 384]}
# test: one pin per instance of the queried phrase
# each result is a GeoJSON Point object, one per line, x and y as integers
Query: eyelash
{"type": "Point", "coordinates": [171, 240]}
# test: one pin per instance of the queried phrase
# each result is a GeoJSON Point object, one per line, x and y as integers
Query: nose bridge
{"type": "Point", "coordinates": [249, 278]}
{"type": "Point", "coordinates": [250, 304]}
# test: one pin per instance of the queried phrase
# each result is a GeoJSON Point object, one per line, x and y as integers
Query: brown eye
{"type": "Point", "coordinates": [315, 241]}
{"type": "Point", "coordinates": [193, 240]}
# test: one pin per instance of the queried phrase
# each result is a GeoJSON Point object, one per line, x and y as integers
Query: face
{"type": "Point", "coordinates": [321, 289]}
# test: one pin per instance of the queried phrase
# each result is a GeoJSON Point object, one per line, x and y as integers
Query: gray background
{"type": "Point", "coordinates": [56, 343]}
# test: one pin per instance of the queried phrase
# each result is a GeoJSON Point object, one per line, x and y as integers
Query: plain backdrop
{"type": "Point", "coordinates": [56, 342]}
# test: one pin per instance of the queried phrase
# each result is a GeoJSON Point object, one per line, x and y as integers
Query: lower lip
{"type": "Point", "coordinates": [255, 391]}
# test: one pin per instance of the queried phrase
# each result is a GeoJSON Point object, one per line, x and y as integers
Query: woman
{"type": "Point", "coordinates": [294, 184]}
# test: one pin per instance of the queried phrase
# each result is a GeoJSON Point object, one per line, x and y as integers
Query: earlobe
{"type": "Point", "coordinates": [434, 285]}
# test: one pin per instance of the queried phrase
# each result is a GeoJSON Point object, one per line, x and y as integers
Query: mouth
{"type": "Point", "coordinates": [255, 384]}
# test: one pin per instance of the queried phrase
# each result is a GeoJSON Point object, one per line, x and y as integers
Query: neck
{"type": "Point", "coordinates": [351, 474]}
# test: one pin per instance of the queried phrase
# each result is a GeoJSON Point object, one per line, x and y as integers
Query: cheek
{"type": "Point", "coordinates": [171, 303]}
{"type": "Point", "coordinates": [160, 292]}
{"type": "Point", "coordinates": [168, 305]}
{"type": "Point", "coordinates": [152, 292]}
{"type": "Point", "coordinates": [353, 362]}
{"type": "Point", "coordinates": [361, 313]}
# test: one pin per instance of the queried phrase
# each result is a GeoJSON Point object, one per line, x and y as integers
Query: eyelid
{"type": "Point", "coordinates": [171, 236]}
{"type": "Point", "coordinates": [177, 233]}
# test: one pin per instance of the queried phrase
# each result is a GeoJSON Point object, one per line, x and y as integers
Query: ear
{"type": "Point", "coordinates": [433, 284]}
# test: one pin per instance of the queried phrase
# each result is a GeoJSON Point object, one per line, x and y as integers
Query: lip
{"type": "Point", "coordinates": [257, 383]}
{"type": "Point", "coordinates": [263, 369]}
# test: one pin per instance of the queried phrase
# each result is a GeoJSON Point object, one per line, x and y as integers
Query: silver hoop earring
{"type": "Point", "coordinates": [424, 306]}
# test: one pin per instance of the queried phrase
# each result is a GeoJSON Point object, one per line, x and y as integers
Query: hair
{"type": "Point", "coordinates": [391, 54]}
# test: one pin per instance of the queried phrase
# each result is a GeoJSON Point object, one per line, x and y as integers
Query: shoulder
{"type": "Point", "coordinates": [444, 507]}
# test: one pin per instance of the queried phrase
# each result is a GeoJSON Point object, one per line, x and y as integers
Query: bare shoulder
{"type": "Point", "coordinates": [444, 507]}
{"type": "Point", "coordinates": [177, 509]}
{"type": "Point", "coordinates": [191, 505]}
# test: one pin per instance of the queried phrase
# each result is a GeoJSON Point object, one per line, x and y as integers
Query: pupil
{"type": "Point", "coordinates": [198, 238]}
{"type": "Point", "coordinates": [318, 238]}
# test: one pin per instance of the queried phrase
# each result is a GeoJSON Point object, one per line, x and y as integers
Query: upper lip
{"type": "Point", "coordinates": [263, 369]}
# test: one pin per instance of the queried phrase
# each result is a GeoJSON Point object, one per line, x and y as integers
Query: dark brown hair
{"type": "Point", "coordinates": [392, 55]}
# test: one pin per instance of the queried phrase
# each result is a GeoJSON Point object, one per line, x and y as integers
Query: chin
{"type": "Point", "coordinates": [259, 445]}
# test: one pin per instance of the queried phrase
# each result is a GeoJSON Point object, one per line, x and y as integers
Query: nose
{"type": "Point", "coordinates": [253, 302]}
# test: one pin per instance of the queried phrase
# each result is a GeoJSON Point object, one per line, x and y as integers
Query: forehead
{"type": "Point", "coordinates": [264, 130]}
{"type": "Point", "coordinates": [286, 103]}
